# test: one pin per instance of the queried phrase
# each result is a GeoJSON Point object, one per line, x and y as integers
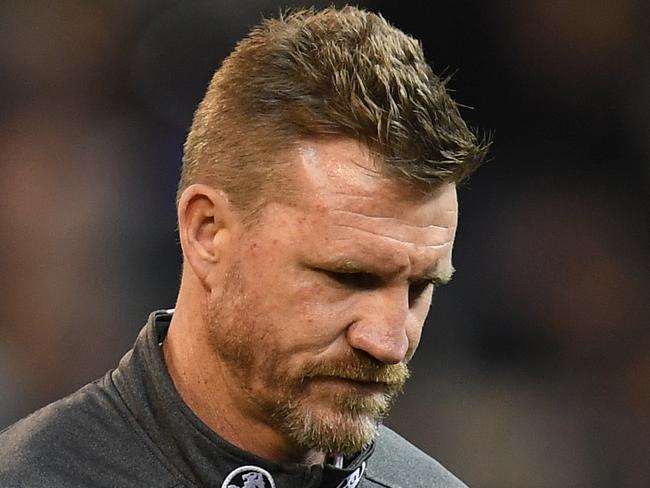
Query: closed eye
{"type": "Point", "coordinates": [354, 280]}
{"type": "Point", "coordinates": [418, 288]}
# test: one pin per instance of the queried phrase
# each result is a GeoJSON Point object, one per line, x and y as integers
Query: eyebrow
{"type": "Point", "coordinates": [439, 277]}
{"type": "Point", "coordinates": [432, 274]}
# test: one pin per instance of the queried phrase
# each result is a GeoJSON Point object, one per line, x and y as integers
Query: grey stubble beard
{"type": "Point", "coordinates": [342, 427]}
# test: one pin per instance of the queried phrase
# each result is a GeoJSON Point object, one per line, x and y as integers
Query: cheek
{"type": "Point", "coordinates": [315, 315]}
{"type": "Point", "coordinates": [313, 322]}
{"type": "Point", "coordinates": [416, 323]}
{"type": "Point", "coordinates": [414, 333]}
{"type": "Point", "coordinates": [303, 313]}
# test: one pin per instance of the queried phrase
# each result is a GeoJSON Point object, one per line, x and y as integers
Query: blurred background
{"type": "Point", "coordinates": [534, 369]}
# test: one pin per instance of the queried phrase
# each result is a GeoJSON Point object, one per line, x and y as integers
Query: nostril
{"type": "Point", "coordinates": [387, 344]}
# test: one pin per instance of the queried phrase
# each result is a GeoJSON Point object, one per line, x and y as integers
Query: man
{"type": "Point", "coordinates": [316, 214]}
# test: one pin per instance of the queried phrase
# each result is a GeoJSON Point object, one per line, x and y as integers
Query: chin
{"type": "Point", "coordinates": [328, 430]}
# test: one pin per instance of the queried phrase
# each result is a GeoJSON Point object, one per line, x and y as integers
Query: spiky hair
{"type": "Point", "coordinates": [334, 72]}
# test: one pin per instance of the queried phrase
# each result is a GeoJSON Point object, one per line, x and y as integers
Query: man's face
{"type": "Point", "coordinates": [325, 299]}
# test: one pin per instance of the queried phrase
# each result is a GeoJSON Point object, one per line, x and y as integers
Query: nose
{"type": "Point", "coordinates": [380, 328]}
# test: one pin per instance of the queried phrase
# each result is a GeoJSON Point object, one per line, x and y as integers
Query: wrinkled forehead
{"type": "Point", "coordinates": [347, 210]}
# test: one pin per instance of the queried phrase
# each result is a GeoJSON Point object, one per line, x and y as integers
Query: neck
{"type": "Point", "coordinates": [211, 392]}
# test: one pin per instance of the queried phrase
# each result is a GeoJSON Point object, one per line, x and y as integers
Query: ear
{"type": "Point", "coordinates": [206, 222]}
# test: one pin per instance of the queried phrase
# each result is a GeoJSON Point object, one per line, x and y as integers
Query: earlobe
{"type": "Point", "coordinates": [205, 221]}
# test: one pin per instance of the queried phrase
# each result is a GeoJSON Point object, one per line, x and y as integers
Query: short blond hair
{"type": "Point", "coordinates": [334, 72]}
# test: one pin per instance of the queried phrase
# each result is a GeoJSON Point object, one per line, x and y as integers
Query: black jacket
{"type": "Point", "coordinates": [131, 429]}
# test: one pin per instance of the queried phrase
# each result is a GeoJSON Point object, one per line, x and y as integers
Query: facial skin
{"type": "Point", "coordinates": [291, 337]}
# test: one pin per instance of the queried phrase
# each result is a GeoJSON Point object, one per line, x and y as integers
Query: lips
{"type": "Point", "coordinates": [361, 386]}
{"type": "Point", "coordinates": [367, 386]}
{"type": "Point", "coordinates": [354, 375]}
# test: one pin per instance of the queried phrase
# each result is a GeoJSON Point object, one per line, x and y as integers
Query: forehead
{"type": "Point", "coordinates": [354, 209]}
{"type": "Point", "coordinates": [343, 174]}
{"type": "Point", "coordinates": [342, 167]}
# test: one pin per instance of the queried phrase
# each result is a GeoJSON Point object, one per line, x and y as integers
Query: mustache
{"type": "Point", "coordinates": [358, 368]}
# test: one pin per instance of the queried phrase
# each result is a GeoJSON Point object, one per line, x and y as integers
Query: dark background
{"type": "Point", "coordinates": [534, 369]}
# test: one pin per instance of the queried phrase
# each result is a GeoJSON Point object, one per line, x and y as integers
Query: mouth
{"type": "Point", "coordinates": [359, 386]}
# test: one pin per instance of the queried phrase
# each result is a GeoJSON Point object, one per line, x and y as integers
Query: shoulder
{"type": "Point", "coordinates": [398, 463]}
{"type": "Point", "coordinates": [73, 442]}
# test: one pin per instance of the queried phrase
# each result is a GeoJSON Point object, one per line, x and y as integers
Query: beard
{"type": "Point", "coordinates": [348, 420]}
{"type": "Point", "coordinates": [341, 423]}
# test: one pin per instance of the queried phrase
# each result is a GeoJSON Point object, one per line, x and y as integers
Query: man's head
{"type": "Point", "coordinates": [317, 212]}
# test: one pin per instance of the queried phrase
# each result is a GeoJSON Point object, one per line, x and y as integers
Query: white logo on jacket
{"type": "Point", "coordinates": [354, 478]}
{"type": "Point", "coordinates": [249, 477]}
